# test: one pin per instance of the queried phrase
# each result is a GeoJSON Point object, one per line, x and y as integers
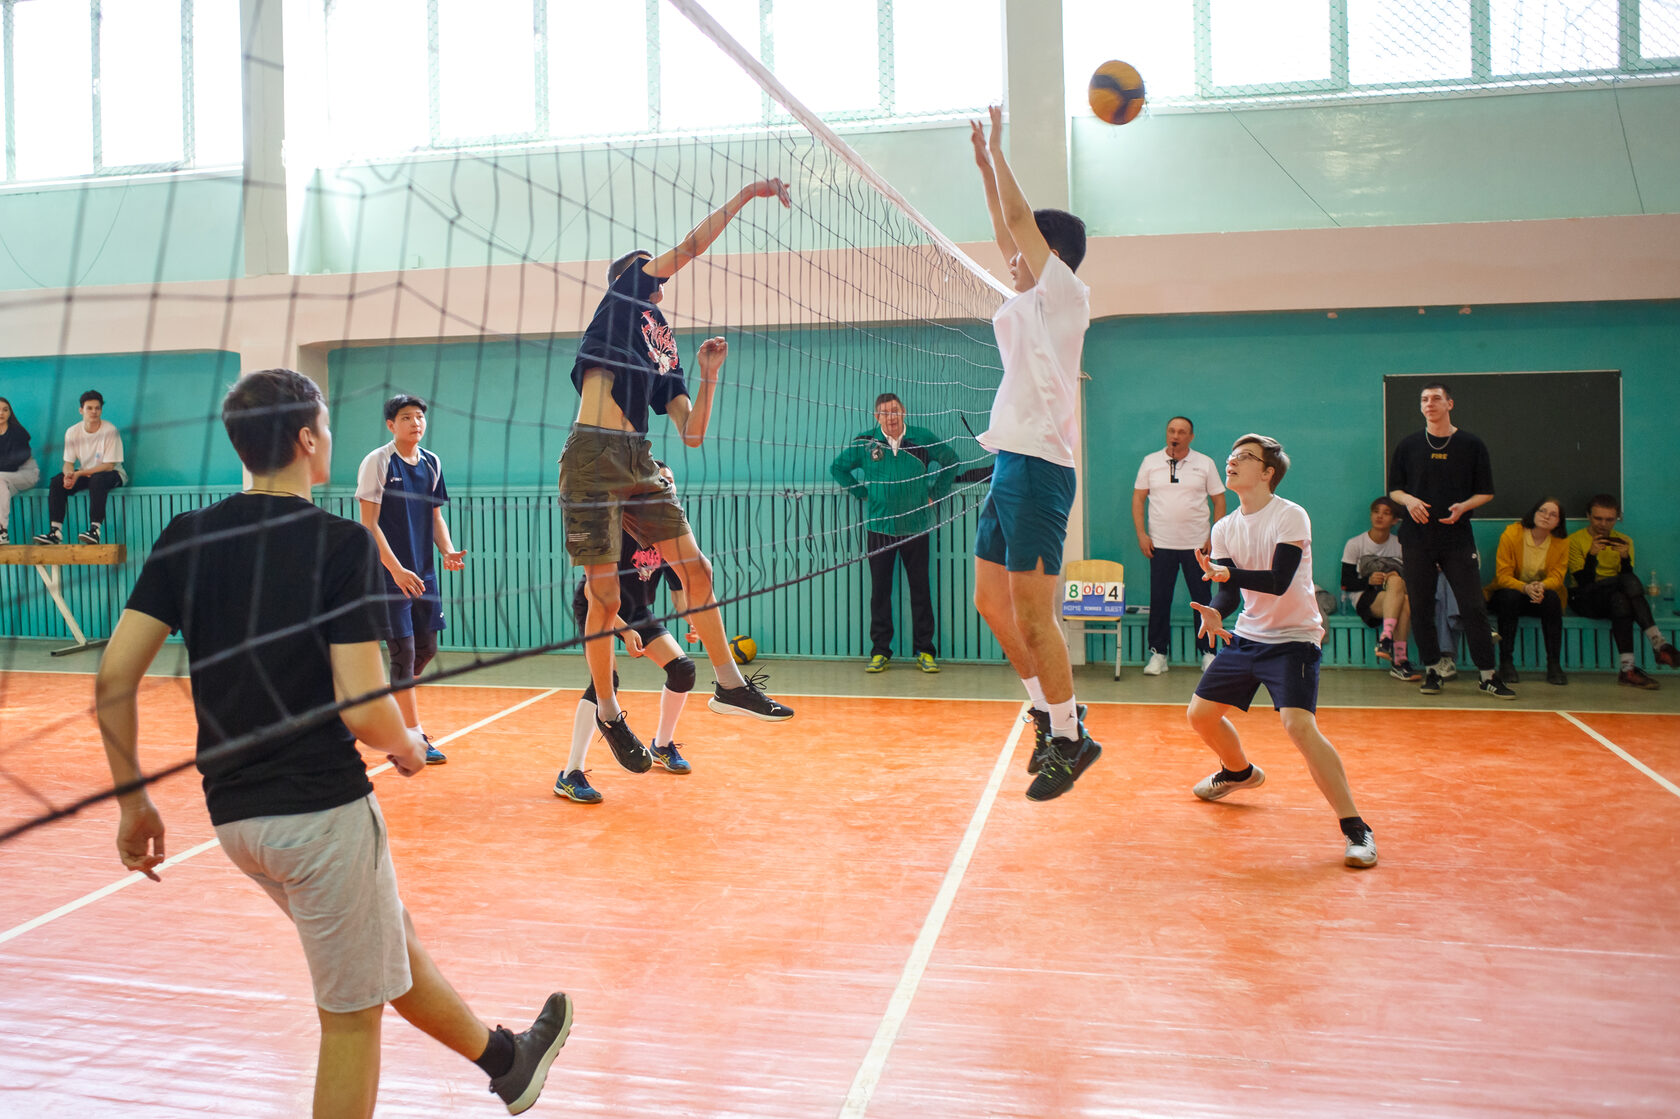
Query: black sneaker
{"type": "Point", "coordinates": [51, 536]}
{"type": "Point", "coordinates": [4, 538]}
{"type": "Point", "coordinates": [533, 1051]}
{"type": "Point", "coordinates": [1508, 673]}
{"type": "Point", "coordinates": [749, 699]}
{"type": "Point", "coordinates": [1495, 687]}
{"type": "Point", "coordinates": [1405, 670]}
{"type": "Point", "coordinates": [1061, 765]}
{"type": "Point", "coordinates": [1431, 683]}
{"type": "Point", "coordinates": [1554, 675]}
{"type": "Point", "coordinates": [1385, 648]}
{"type": "Point", "coordinates": [91, 536]}
{"type": "Point", "coordinates": [1041, 733]}
{"type": "Point", "coordinates": [627, 749]}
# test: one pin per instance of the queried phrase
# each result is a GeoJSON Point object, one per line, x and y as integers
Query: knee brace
{"type": "Point", "coordinates": [679, 675]}
{"type": "Point", "coordinates": [589, 692]}
{"type": "Point", "coordinates": [425, 648]}
{"type": "Point", "coordinates": [402, 659]}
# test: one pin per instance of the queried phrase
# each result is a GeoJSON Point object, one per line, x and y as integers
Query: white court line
{"type": "Point", "coordinates": [173, 860]}
{"type": "Point", "coordinates": [1624, 755]}
{"type": "Point", "coordinates": [875, 1061]}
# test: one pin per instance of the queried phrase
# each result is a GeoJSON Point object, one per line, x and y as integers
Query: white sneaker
{"type": "Point", "coordinates": [1215, 787]}
{"type": "Point", "coordinates": [1207, 661]}
{"type": "Point", "coordinates": [1361, 850]}
{"type": "Point", "coordinates": [1157, 665]}
{"type": "Point", "coordinates": [1446, 669]}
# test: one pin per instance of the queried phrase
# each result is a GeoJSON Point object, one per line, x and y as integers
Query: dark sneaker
{"type": "Point", "coordinates": [627, 749]}
{"type": "Point", "coordinates": [1385, 648]}
{"type": "Point", "coordinates": [1667, 656]}
{"type": "Point", "coordinates": [1431, 683]}
{"type": "Point", "coordinates": [1495, 687]}
{"type": "Point", "coordinates": [1508, 673]}
{"type": "Point", "coordinates": [1041, 733]}
{"type": "Point", "coordinates": [434, 756]}
{"type": "Point", "coordinates": [1405, 670]}
{"type": "Point", "coordinates": [1554, 675]}
{"type": "Point", "coordinates": [91, 536]}
{"type": "Point", "coordinates": [749, 699]}
{"type": "Point", "coordinates": [1060, 766]}
{"type": "Point", "coordinates": [878, 663]}
{"type": "Point", "coordinates": [533, 1051]}
{"type": "Point", "coordinates": [1635, 677]}
{"type": "Point", "coordinates": [1361, 849]}
{"type": "Point", "coordinates": [51, 536]}
{"type": "Point", "coordinates": [670, 758]}
{"type": "Point", "coordinates": [4, 538]}
{"type": "Point", "coordinates": [575, 786]}
{"type": "Point", "coordinates": [1219, 784]}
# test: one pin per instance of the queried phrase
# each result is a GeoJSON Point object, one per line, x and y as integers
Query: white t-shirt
{"type": "Point", "coordinates": [1249, 541]}
{"type": "Point", "coordinates": [1178, 511]}
{"type": "Point", "coordinates": [1362, 545]}
{"type": "Point", "coordinates": [1040, 334]}
{"type": "Point", "coordinates": [92, 448]}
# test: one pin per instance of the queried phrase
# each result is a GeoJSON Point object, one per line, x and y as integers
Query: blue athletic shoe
{"type": "Point", "coordinates": [575, 786]}
{"type": "Point", "coordinates": [434, 756]}
{"type": "Point", "coordinates": [668, 757]}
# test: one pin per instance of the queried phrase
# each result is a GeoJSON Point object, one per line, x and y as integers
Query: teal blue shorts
{"type": "Point", "coordinates": [1024, 520]}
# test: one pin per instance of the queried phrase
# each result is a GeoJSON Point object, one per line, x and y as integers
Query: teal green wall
{"type": "Point", "coordinates": [135, 232]}
{"type": "Point", "coordinates": [1316, 384]}
{"type": "Point", "coordinates": [165, 405]}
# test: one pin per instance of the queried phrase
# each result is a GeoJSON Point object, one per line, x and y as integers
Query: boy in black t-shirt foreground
{"type": "Point", "coordinates": [279, 605]}
{"type": "Point", "coordinates": [627, 365]}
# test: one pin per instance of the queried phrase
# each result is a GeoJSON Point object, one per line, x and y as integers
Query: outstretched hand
{"type": "Point", "coordinates": [768, 188]}
{"type": "Point", "coordinates": [1209, 624]}
{"type": "Point", "coordinates": [1212, 572]}
{"type": "Point", "coordinates": [455, 561]}
{"type": "Point", "coordinates": [712, 353]}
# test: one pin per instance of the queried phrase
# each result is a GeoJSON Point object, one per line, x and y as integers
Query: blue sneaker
{"type": "Point", "coordinates": [575, 786]}
{"type": "Point", "coordinates": [668, 757]}
{"type": "Point", "coordinates": [434, 756]}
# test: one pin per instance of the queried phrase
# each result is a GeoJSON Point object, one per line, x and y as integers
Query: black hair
{"type": "Point", "coordinates": [1557, 529]}
{"type": "Point", "coordinates": [1605, 501]}
{"type": "Point", "coordinates": [263, 413]}
{"type": "Point", "coordinates": [886, 398]}
{"type": "Point", "coordinates": [92, 394]}
{"type": "Point", "coordinates": [618, 267]}
{"type": "Point", "coordinates": [1064, 233]}
{"type": "Point", "coordinates": [395, 405]}
{"type": "Point", "coordinates": [1442, 385]}
{"type": "Point", "coordinates": [1187, 420]}
{"type": "Point", "coordinates": [1271, 455]}
{"type": "Point", "coordinates": [1393, 505]}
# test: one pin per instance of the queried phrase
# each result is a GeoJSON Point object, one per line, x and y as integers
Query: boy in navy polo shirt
{"type": "Point", "coordinates": [401, 494]}
{"type": "Point", "coordinates": [1264, 549]}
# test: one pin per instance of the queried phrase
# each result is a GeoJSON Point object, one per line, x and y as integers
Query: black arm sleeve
{"type": "Point", "coordinates": [1350, 578]}
{"type": "Point", "coordinates": [1285, 559]}
{"type": "Point", "coordinates": [1226, 599]}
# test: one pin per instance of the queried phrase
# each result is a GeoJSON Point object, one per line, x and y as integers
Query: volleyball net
{"type": "Point", "coordinates": [467, 281]}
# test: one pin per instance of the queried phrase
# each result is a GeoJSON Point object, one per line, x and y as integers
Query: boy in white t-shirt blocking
{"type": "Point", "coordinates": [1264, 550]}
{"type": "Point", "coordinates": [1034, 431]}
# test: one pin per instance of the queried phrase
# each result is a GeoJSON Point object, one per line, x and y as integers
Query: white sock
{"type": "Point", "coordinates": [607, 706]}
{"type": "Point", "coordinates": [1627, 661]}
{"type": "Point", "coordinates": [1035, 693]}
{"type": "Point", "coordinates": [1487, 674]}
{"type": "Point", "coordinates": [728, 673]}
{"type": "Point", "coordinates": [1655, 635]}
{"type": "Point", "coordinates": [583, 732]}
{"type": "Point", "coordinates": [670, 710]}
{"type": "Point", "coordinates": [1064, 720]}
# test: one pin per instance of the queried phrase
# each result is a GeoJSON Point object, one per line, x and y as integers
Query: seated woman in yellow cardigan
{"type": "Point", "coordinates": [1528, 579]}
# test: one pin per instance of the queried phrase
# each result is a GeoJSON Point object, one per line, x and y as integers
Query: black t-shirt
{"type": "Point", "coordinates": [271, 582]}
{"type": "Point", "coordinates": [629, 338]}
{"type": "Point", "coordinates": [14, 446]}
{"type": "Point", "coordinates": [1441, 476]}
{"type": "Point", "coordinates": [640, 572]}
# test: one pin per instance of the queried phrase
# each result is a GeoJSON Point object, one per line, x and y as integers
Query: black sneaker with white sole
{"type": "Point", "coordinates": [51, 536]}
{"type": "Point", "coordinates": [91, 536]}
{"type": "Point", "coordinates": [627, 749]}
{"type": "Point", "coordinates": [1040, 720]}
{"type": "Point", "coordinates": [533, 1051]}
{"type": "Point", "coordinates": [749, 699]}
{"type": "Point", "coordinates": [1495, 687]}
{"type": "Point", "coordinates": [1431, 683]}
{"type": "Point", "coordinates": [1060, 766]}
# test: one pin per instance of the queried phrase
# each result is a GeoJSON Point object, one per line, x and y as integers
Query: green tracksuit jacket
{"type": "Point", "coordinates": [897, 487]}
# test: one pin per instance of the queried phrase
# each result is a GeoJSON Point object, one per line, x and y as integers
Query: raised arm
{"type": "Point", "coordinates": [700, 238]}
{"type": "Point", "coordinates": [692, 417]}
{"type": "Point", "coordinates": [1017, 212]}
{"type": "Point", "coordinates": [994, 206]}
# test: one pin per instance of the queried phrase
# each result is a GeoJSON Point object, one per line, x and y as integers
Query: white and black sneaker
{"type": "Point", "coordinates": [1495, 687]}
{"type": "Point", "coordinates": [4, 539]}
{"type": "Point", "coordinates": [1431, 683]}
{"type": "Point", "coordinates": [51, 536]}
{"type": "Point", "coordinates": [1361, 849]}
{"type": "Point", "coordinates": [749, 699]}
{"type": "Point", "coordinates": [1219, 785]}
{"type": "Point", "coordinates": [91, 536]}
{"type": "Point", "coordinates": [627, 749]}
{"type": "Point", "coordinates": [1446, 668]}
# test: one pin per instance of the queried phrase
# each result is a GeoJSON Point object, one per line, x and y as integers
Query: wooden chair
{"type": "Point", "coordinates": [47, 559]}
{"type": "Point", "coordinates": [1097, 571]}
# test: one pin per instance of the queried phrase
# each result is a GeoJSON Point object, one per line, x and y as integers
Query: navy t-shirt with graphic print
{"type": "Point", "coordinates": [630, 339]}
{"type": "Point", "coordinates": [406, 493]}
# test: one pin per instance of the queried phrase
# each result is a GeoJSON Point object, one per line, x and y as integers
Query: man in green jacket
{"type": "Point", "coordinates": [904, 471]}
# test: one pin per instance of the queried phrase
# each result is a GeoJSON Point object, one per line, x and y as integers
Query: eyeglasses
{"type": "Point", "coordinates": [1241, 455]}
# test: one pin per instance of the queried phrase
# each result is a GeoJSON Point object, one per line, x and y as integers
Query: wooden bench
{"type": "Point", "coordinates": [47, 559]}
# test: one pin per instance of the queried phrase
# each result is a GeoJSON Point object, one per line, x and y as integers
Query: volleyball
{"type": "Point", "coordinates": [1116, 92]}
{"type": "Point", "coordinates": [743, 648]}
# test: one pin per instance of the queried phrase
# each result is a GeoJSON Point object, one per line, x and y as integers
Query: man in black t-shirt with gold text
{"type": "Point", "coordinates": [1441, 475]}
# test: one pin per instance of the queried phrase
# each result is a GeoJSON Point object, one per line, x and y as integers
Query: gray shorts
{"type": "Point", "coordinates": [609, 485]}
{"type": "Point", "coordinates": [331, 873]}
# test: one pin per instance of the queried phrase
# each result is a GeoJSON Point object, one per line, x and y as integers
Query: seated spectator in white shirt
{"type": "Point", "coordinates": [93, 461]}
{"type": "Point", "coordinates": [1371, 570]}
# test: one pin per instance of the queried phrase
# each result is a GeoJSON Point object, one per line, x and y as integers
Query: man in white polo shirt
{"type": "Point", "coordinates": [93, 461]}
{"type": "Point", "coordinates": [1176, 483]}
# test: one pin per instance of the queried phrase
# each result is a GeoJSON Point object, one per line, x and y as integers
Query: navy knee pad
{"type": "Point", "coordinates": [402, 659]}
{"type": "Point", "coordinates": [680, 674]}
{"type": "Point", "coordinates": [425, 648]}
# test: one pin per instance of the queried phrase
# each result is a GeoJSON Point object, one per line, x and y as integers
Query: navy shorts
{"type": "Point", "coordinates": [408, 616]}
{"type": "Point", "coordinates": [1024, 520]}
{"type": "Point", "coordinates": [1289, 670]}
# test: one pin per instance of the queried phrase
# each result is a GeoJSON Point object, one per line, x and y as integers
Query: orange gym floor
{"type": "Point", "coordinates": [857, 913]}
